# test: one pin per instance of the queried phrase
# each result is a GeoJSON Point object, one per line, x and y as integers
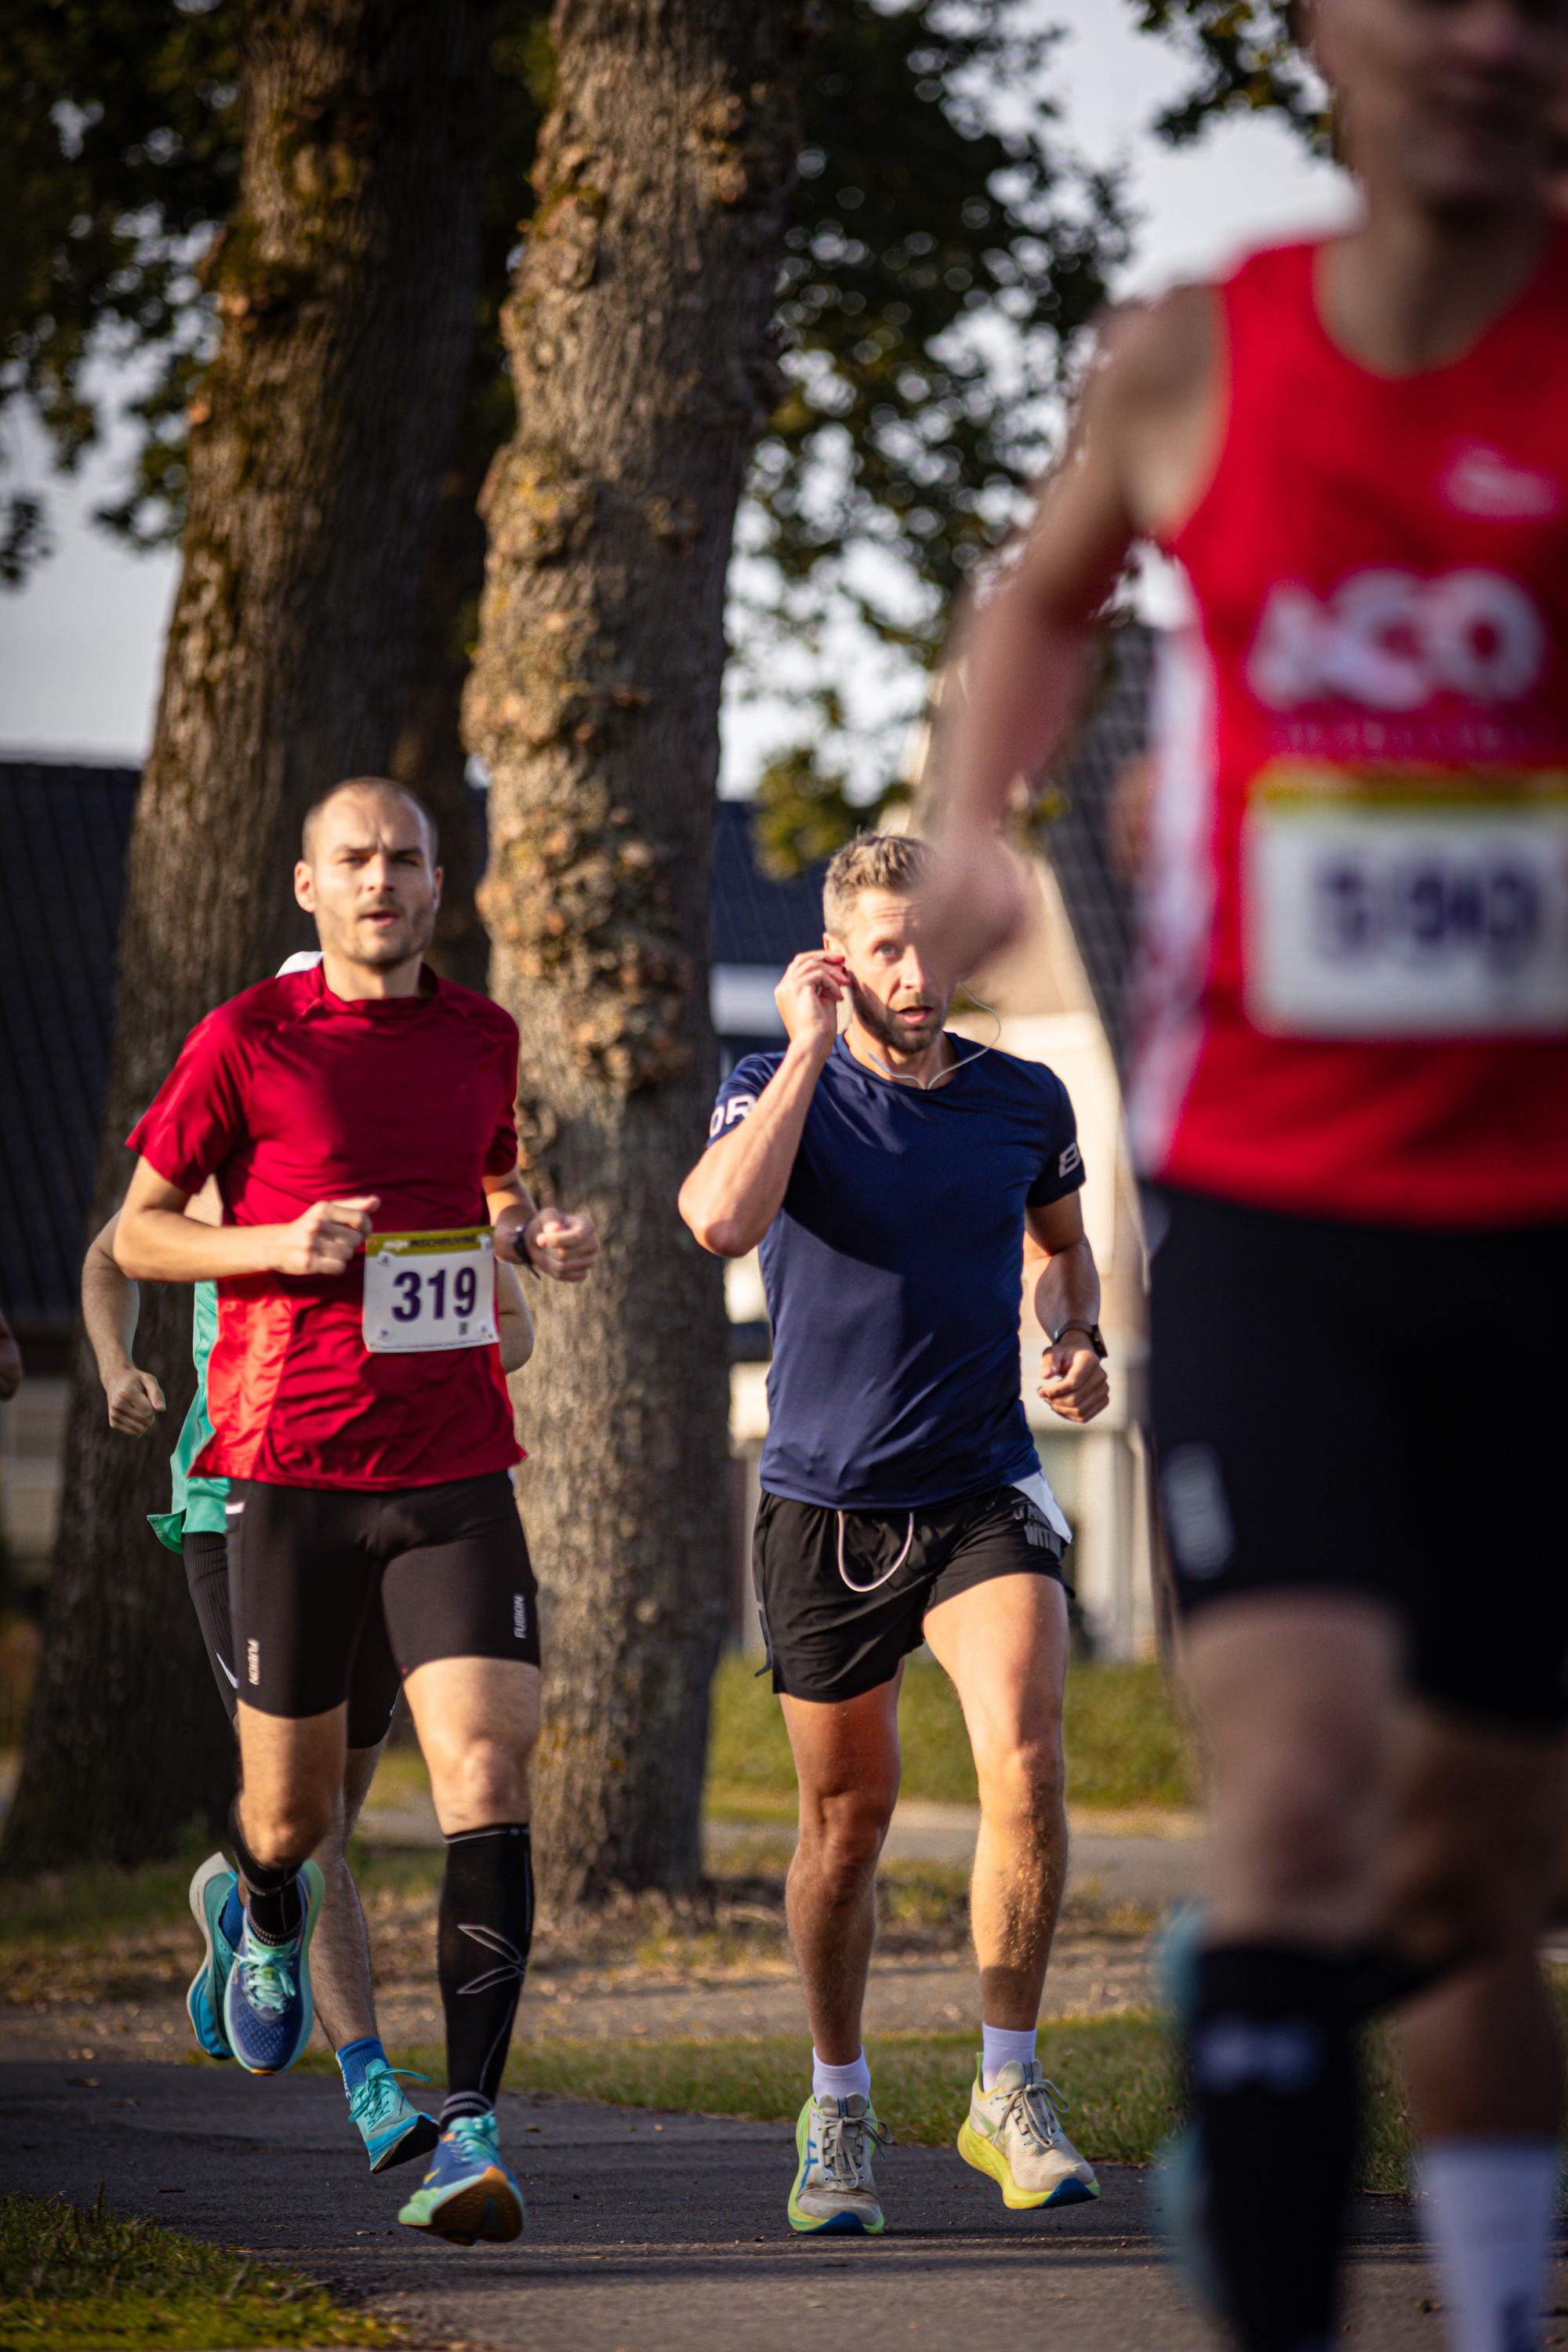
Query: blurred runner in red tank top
{"type": "Point", "coordinates": [1350, 1099]}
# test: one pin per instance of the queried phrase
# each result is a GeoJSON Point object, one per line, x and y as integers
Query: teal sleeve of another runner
{"type": "Point", "coordinates": [196, 1501]}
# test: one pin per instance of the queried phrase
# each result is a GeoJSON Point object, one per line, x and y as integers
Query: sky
{"type": "Point", "coordinates": [80, 647]}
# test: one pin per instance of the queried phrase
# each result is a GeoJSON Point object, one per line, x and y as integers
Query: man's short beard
{"type": "Point", "coordinates": [878, 1023]}
{"type": "Point", "coordinates": [419, 939]}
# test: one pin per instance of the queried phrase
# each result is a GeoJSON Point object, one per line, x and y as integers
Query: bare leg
{"type": "Point", "coordinates": [341, 1977]}
{"type": "Point", "coordinates": [293, 1778]}
{"type": "Point", "coordinates": [846, 1762]}
{"type": "Point", "coordinates": [1294, 1695]}
{"type": "Point", "coordinates": [1475, 1849]}
{"type": "Point", "coordinates": [477, 1720]}
{"type": "Point", "coordinates": [1004, 1644]}
{"type": "Point", "coordinates": [1296, 1690]}
{"type": "Point", "coordinates": [1475, 1846]}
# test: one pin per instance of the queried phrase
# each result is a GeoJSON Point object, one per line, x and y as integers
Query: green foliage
{"type": "Point", "coordinates": [121, 153]}
{"type": "Point", "coordinates": [914, 217]}
{"type": "Point", "coordinates": [74, 2277]}
{"type": "Point", "coordinates": [1245, 62]}
{"type": "Point", "coordinates": [902, 429]}
{"type": "Point", "coordinates": [805, 811]}
{"type": "Point", "coordinates": [938, 274]}
{"type": "Point", "coordinates": [1125, 1748]}
{"type": "Point", "coordinates": [120, 168]}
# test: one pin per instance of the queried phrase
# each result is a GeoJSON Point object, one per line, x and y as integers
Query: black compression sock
{"type": "Point", "coordinates": [275, 1901]}
{"type": "Point", "coordinates": [486, 1924]}
{"type": "Point", "coordinates": [1274, 2081]}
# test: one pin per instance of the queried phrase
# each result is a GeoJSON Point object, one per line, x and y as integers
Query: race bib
{"type": "Point", "coordinates": [1403, 906]}
{"type": "Point", "coordinates": [429, 1290]}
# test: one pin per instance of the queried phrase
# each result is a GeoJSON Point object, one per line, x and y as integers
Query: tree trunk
{"type": "Point", "coordinates": [428, 754]}
{"type": "Point", "coordinates": [347, 289]}
{"type": "Point", "coordinates": [638, 327]}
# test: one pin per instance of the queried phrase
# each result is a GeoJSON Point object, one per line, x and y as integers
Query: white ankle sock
{"type": "Point", "coordinates": [1490, 2205]}
{"type": "Point", "coordinates": [840, 2081]}
{"type": "Point", "coordinates": [1002, 2046]}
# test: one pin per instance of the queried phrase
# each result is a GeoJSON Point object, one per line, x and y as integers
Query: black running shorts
{"type": "Point", "coordinates": [1372, 1410]}
{"type": "Point", "coordinates": [373, 1694]}
{"type": "Point", "coordinates": [843, 1595]}
{"type": "Point", "coordinates": [431, 1571]}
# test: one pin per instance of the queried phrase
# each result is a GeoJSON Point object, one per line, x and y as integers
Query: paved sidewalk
{"type": "Point", "coordinates": [653, 2232]}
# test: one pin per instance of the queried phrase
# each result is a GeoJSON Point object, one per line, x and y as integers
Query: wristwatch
{"type": "Point", "coordinates": [1089, 1330]}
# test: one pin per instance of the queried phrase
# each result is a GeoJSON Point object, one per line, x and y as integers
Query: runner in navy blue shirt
{"type": "Point", "coordinates": [894, 1180]}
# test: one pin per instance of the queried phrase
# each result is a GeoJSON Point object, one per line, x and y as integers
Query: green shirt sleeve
{"type": "Point", "coordinates": [196, 1502]}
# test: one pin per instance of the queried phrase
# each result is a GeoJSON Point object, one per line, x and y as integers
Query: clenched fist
{"type": "Point", "coordinates": [135, 1400]}
{"type": "Point", "coordinates": [326, 1238]}
{"type": "Point", "coordinates": [560, 1246]}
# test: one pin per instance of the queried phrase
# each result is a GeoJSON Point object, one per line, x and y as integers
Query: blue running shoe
{"type": "Point", "coordinates": [467, 2193]}
{"type": "Point", "coordinates": [267, 2009]}
{"type": "Point", "coordinates": [392, 2128]}
{"type": "Point", "coordinates": [210, 1891]}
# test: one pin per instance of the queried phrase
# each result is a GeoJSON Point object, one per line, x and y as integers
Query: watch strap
{"type": "Point", "coordinates": [1090, 1330]}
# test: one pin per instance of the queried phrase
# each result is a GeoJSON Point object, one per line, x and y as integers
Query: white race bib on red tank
{"type": "Point", "coordinates": [1410, 906]}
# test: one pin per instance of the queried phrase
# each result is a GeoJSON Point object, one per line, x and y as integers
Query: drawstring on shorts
{"type": "Point", "coordinates": [878, 1580]}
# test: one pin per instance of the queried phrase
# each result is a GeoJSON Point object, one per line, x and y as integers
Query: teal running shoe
{"type": "Point", "coordinates": [266, 2008]}
{"type": "Point", "coordinates": [467, 2193]}
{"type": "Point", "coordinates": [833, 2187]}
{"type": "Point", "coordinates": [392, 2128]}
{"type": "Point", "coordinates": [210, 1891]}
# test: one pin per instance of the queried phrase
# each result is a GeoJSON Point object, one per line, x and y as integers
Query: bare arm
{"type": "Point", "coordinates": [154, 1240]}
{"type": "Point", "coordinates": [110, 1303]}
{"type": "Point", "coordinates": [737, 1188]}
{"type": "Point", "coordinates": [516, 1322]}
{"type": "Point", "coordinates": [10, 1362]}
{"type": "Point", "coordinates": [561, 1247]}
{"type": "Point", "coordinates": [1066, 1293]}
{"type": "Point", "coordinates": [1140, 443]}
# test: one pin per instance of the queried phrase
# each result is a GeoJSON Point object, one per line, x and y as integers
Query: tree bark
{"type": "Point", "coordinates": [347, 287]}
{"type": "Point", "coordinates": [428, 754]}
{"type": "Point", "coordinates": [637, 329]}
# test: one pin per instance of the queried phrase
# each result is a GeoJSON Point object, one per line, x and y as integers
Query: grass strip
{"type": "Point", "coordinates": [1116, 2072]}
{"type": "Point", "coordinates": [1125, 1744]}
{"type": "Point", "coordinates": [1119, 2081]}
{"type": "Point", "coordinates": [86, 2279]}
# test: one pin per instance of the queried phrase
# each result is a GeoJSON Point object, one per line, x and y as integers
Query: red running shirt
{"type": "Point", "coordinates": [289, 1096]}
{"type": "Point", "coordinates": [1350, 991]}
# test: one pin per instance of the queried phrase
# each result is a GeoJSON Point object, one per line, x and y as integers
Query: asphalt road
{"type": "Point", "coordinates": [659, 2232]}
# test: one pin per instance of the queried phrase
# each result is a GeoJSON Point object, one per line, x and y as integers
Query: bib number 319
{"type": "Point", "coordinates": [424, 1291]}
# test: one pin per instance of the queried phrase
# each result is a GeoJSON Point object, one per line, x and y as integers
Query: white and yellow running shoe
{"type": "Point", "coordinates": [1014, 2133]}
{"type": "Point", "coordinates": [832, 2186]}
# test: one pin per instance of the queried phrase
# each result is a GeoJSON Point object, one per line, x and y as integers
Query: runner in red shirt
{"type": "Point", "coordinates": [1350, 1091]}
{"type": "Point", "coordinates": [359, 1119]}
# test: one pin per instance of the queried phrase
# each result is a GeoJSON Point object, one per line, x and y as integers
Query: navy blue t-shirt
{"type": "Point", "coordinates": [893, 1274]}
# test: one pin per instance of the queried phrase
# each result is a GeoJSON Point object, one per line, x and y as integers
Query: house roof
{"type": "Point", "coordinates": [63, 835]}
{"type": "Point", "coordinates": [753, 920]}
{"type": "Point", "coordinates": [63, 832]}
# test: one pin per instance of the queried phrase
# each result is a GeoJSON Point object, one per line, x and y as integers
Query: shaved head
{"type": "Point", "coordinates": [370, 788]}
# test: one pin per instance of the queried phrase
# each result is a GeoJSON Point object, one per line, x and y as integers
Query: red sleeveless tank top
{"type": "Point", "coordinates": [1350, 986]}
